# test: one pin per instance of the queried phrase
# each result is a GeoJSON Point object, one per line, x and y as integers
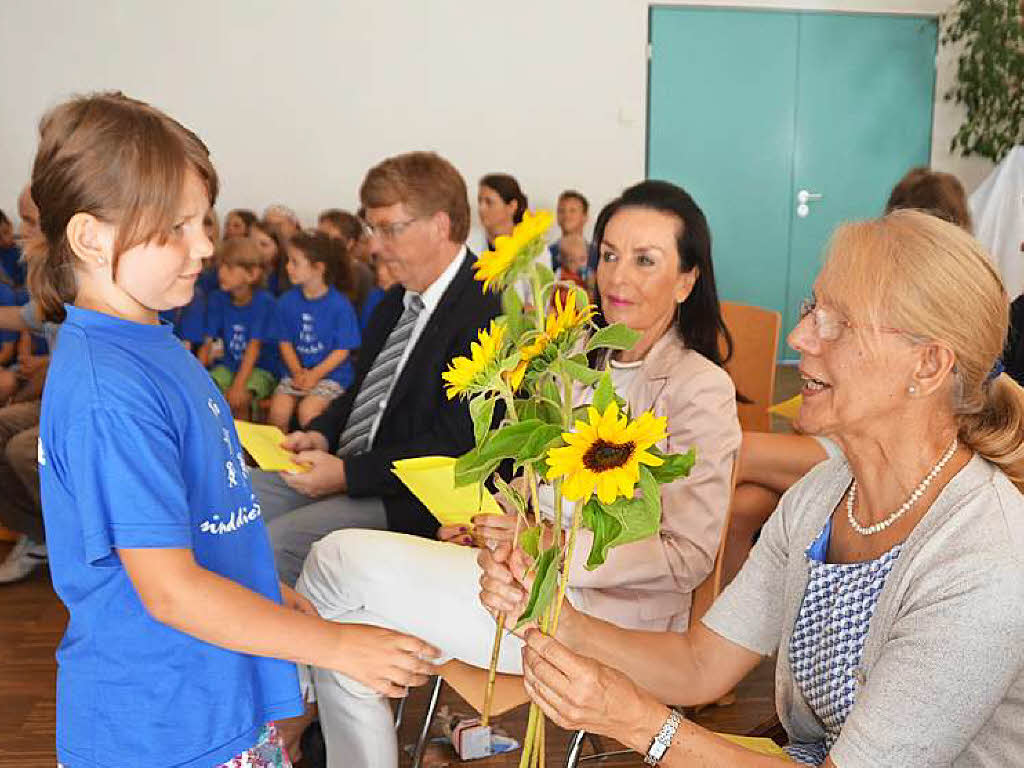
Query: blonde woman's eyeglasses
{"type": "Point", "coordinates": [828, 324]}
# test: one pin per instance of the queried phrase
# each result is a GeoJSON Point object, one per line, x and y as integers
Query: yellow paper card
{"type": "Point", "coordinates": [432, 481]}
{"type": "Point", "coordinates": [263, 442]}
{"type": "Point", "coordinates": [757, 744]}
{"type": "Point", "coordinates": [787, 409]}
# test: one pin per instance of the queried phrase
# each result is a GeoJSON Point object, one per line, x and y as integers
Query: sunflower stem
{"type": "Point", "coordinates": [499, 633]}
{"type": "Point", "coordinates": [525, 760]}
{"type": "Point", "coordinates": [538, 298]}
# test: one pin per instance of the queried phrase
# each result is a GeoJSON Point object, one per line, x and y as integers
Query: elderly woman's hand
{"type": "Point", "coordinates": [505, 582]}
{"type": "Point", "coordinates": [579, 693]}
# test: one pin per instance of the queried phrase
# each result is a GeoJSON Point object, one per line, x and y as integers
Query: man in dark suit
{"type": "Point", "coordinates": [417, 215]}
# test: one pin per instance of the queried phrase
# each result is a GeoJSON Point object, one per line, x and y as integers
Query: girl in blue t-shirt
{"type": "Point", "coordinates": [318, 331]}
{"type": "Point", "coordinates": [8, 347]}
{"type": "Point", "coordinates": [181, 644]}
{"type": "Point", "coordinates": [242, 315]}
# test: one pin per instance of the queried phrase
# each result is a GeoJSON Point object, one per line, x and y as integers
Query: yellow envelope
{"type": "Point", "coordinates": [432, 481]}
{"type": "Point", "coordinates": [263, 442]}
{"type": "Point", "coordinates": [757, 744]}
{"type": "Point", "coordinates": [787, 409]}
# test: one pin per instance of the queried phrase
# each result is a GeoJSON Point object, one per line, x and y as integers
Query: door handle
{"type": "Point", "coordinates": [804, 196]}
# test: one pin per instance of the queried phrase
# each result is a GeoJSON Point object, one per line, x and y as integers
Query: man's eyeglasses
{"type": "Point", "coordinates": [387, 231]}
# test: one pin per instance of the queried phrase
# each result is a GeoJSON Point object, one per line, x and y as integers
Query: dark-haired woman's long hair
{"type": "Point", "coordinates": [698, 320]}
{"type": "Point", "coordinates": [508, 189]}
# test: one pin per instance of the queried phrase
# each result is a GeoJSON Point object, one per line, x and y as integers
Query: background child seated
{"type": "Point", "coordinates": [273, 247]}
{"type": "Point", "coordinates": [318, 331]}
{"type": "Point", "coordinates": [574, 268]}
{"type": "Point", "coordinates": [242, 314]}
{"type": "Point", "coordinates": [8, 348]}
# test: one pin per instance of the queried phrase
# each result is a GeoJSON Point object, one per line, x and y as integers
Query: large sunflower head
{"type": "Point", "coordinates": [514, 253]}
{"type": "Point", "coordinates": [558, 327]}
{"type": "Point", "coordinates": [466, 375]}
{"type": "Point", "coordinates": [603, 455]}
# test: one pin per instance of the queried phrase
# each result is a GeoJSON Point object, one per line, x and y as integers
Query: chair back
{"type": "Point", "coordinates": [755, 340]}
{"type": "Point", "coordinates": [707, 591]}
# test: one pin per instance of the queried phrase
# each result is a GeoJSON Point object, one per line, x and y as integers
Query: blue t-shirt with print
{"type": "Point", "coordinates": [189, 321]}
{"type": "Point", "coordinates": [7, 299]}
{"type": "Point", "coordinates": [138, 451]}
{"type": "Point", "coordinates": [237, 326]}
{"type": "Point", "coordinates": [317, 327]}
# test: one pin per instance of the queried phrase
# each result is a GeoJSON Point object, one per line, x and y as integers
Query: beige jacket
{"type": "Point", "coordinates": [648, 584]}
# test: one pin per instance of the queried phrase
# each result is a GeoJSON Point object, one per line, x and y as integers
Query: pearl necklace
{"type": "Point", "coordinates": [917, 494]}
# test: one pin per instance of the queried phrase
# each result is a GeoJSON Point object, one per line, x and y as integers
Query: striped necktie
{"type": "Point", "coordinates": [372, 395]}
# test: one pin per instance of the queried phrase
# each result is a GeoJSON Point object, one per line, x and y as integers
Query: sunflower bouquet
{"type": "Point", "coordinates": [523, 378]}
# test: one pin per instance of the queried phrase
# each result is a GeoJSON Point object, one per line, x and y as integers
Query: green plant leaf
{"type": "Point", "coordinates": [622, 522]}
{"type": "Point", "coordinates": [511, 495]}
{"type": "Point", "coordinates": [512, 307]}
{"type": "Point", "coordinates": [470, 469]}
{"type": "Point", "coordinates": [581, 373]}
{"type": "Point", "coordinates": [544, 584]}
{"type": "Point", "coordinates": [604, 393]}
{"type": "Point", "coordinates": [529, 541]}
{"type": "Point", "coordinates": [616, 336]}
{"type": "Point", "coordinates": [676, 465]}
{"type": "Point", "coordinates": [538, 443]}
{"type": "Point", "coordinates": [481, 410]}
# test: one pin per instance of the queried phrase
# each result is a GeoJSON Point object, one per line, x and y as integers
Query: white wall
{"type": "Point", "coordinates": [297, 99]}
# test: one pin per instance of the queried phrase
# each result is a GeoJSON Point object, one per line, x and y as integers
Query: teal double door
{"type": "Point", "coordinates": [782, 125]}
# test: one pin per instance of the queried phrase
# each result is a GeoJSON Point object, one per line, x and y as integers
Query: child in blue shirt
{"type": "Point", "coordinates": [8, 348]}
{"type": "Point", "coordinates": [181, 644]}
{"type": "Point", "coordinates": [11, 265]}
{"type": "Point", "coordinates": [318, 331]}
{"type": "Point", "coordinates": [242, 315]}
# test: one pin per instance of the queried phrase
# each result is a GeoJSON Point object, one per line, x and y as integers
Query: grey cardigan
{"type": "Point", "coordinates": [941, 680]}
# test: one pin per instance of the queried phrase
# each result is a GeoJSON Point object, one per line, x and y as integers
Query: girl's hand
{"type": "Point", "coordinates": [292, 599]}
{"type": "Point", "coordinates": [456, 534]}
{"type": "Point", "coordinates": [386, 661]}
{"type": "Point", "coordinates": [302, 380]}
{"type": "Point", "coordinates": [579, 693]}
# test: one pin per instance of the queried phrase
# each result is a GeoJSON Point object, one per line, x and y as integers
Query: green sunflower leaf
{"type": "Point", "coordinates": [604, 393]}
{"type": "Point", "coordinates": [537, 444]}
{"type": "Point", "coordinates": [676, 465]}
{"type": "Point", "coordinates": [616, 336]}
{"type": "Point", "coordinates": [529, 541]}
{"type": "Point", "coordinates": [581, 373]}
{"type": "Point", "coordinates": [544, 584]}
{"type": "Point", "coordinates": [510, 494]}
{"type": "Point", "coordinates": [621, 522]}
{"type": "Point", "coordinates": [481, 410]}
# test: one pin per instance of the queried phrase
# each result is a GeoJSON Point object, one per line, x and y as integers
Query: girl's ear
{"type": "Point", "coordinates": [91, 240]}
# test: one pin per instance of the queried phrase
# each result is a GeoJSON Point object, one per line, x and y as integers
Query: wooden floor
{"type": "Point", "coordinates": [32, 622]}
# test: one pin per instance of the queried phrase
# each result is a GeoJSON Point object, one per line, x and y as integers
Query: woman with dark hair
{"type": "Point", "coordinates": [655, 276]}
{"type": "Point", "coordinates": [501, 205]}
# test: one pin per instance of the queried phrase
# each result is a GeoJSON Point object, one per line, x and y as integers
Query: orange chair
{"type": "Point", "coordinates": [755, 338]}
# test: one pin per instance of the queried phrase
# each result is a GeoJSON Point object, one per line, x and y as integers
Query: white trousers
{"type": "Point", "coordinates": [429, 589]}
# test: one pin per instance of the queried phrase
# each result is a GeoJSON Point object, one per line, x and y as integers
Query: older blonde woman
{"type": "Point", "coordinates": [890, 582]}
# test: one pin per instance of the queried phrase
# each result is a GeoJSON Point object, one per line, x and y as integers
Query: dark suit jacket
{"type": "Point", "coordinates": [419, 419]}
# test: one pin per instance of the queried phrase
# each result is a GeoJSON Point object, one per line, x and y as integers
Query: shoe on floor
{"type": "Point", "coordinates": [21, 561]}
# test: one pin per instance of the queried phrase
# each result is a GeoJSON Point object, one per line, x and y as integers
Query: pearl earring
{"type": "Point", "coordinates": [912, 389]}
{"type": "Point", "coordinates": [101, 260]}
